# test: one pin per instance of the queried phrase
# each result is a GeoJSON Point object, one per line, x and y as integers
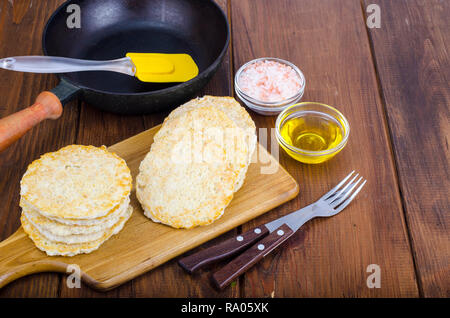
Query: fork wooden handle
{"type": "Point", "coordinates": [223, 250]}
{"type": "Point", "coordinates": [250, 257]}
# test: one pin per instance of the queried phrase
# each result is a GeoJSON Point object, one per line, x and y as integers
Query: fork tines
{"type": "Point", "coordinates": [341, 196]}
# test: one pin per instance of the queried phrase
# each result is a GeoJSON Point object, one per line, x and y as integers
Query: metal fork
{"type": "Point", "coordinates": [329, 204]}
{"type": "Point", "coordinates": [267, 237]}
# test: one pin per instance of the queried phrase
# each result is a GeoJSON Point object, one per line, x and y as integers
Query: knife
{"type": "Point", "coordinates": [261, 240]}
{"type": "Point", "coordinates": [272, 234]}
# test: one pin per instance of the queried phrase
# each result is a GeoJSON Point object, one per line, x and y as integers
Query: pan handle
{"type": "Point", "coordinates": [65, 91]}
{"type": "Point", "coordinates": [48, 105]}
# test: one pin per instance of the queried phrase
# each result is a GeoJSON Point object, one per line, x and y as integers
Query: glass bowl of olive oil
{"type": "Point", "coordinates": [312, 132]}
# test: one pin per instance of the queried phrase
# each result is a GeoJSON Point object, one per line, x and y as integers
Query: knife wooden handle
{"type": "Point", "coordinates": [250, 257]}
{"type": "Point", "coordinates": [222, 250]}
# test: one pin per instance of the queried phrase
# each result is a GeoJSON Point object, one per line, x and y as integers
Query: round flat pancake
{"type": "Point", "coordinates": [235, 112]}
{"type": "Point", "coordinates": [188, 177]}
{"type": "Point", "coordinates": [71, 234]}
{"type": "Point", "coordinates": [54, 248]}
{"type": "Point", "coordinates": [62, 227]}
{"type": "Point", "coordinates": [76, 182]}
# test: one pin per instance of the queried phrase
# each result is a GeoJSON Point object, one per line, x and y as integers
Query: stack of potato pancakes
{"type": "Point", "coordinates": [75, 199]}
{"type": "Point", "coordinates": [198, 160]}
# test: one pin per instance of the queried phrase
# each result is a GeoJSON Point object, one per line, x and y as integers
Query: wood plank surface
{"type": "Point", "coordinates": [392, 85]}
{"type": "Point", "coordinates": [170, 280]}
{"type": "Point", "coordinates": [97, 128]}
{"type": "Point", "coordinates": [21, 25]}
{"type": "Point", "coordinates": [328, 41]}
{"type": "Point", "coordinates": [143, 245]}
{"type": "Point", "coordinates": [412, 56]}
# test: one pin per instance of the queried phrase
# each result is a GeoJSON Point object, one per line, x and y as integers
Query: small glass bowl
{"type": "Point", "coordinates": [314, 109]}
{"type": "Point", "coordinates": [268, 108]}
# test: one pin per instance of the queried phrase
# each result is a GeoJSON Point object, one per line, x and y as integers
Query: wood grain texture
{"type": "Point", "coordinates": [21, 25]}
{"type": "Point", "coordinates": [411, 51]}
{"type": "Point", "coordinates": [94, 127]}
{"type": "Point", "coordinates": [164, 281]}
{"type": "Point", "coordinates": [244, 261]}
{"type": "Point", "coordinates": [223, 250]}
{"type": "Point", "coordinates": [143, 245]}
{"type": "Point", "coordinates": [328, 41]}
{"type": "Point", "coordinates": [100, 128]}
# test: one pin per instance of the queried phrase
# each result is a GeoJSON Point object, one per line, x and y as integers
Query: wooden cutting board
{"type": "Point", "coordinates": [143, 245]}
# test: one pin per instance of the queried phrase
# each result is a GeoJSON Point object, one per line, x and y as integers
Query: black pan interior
{"type": "Point", "coordinates": [111, 28]}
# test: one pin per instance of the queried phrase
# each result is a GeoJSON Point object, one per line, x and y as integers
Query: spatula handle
{"type": "Point", "coordinates": [250, 257]}
{"type": "Point", "coordinates": [56, 64]}
{"type": "Point", "coordinates": [222, 250]}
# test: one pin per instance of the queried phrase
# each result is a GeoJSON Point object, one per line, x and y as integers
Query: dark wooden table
{"type": "Point", "coordinates": [391, 82]}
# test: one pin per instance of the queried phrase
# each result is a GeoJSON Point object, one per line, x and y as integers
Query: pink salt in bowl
{"type": "Point", "coordinates": [269, 85]}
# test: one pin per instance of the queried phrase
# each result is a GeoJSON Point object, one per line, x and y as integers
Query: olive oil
{"type": "Point", "coordinates": [313, 133]}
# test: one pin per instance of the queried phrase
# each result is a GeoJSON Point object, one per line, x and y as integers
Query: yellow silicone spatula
{"type": "Point", "coordinates": [163, 68]}
{"type": "Point", "coordinates": [147, 67]}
